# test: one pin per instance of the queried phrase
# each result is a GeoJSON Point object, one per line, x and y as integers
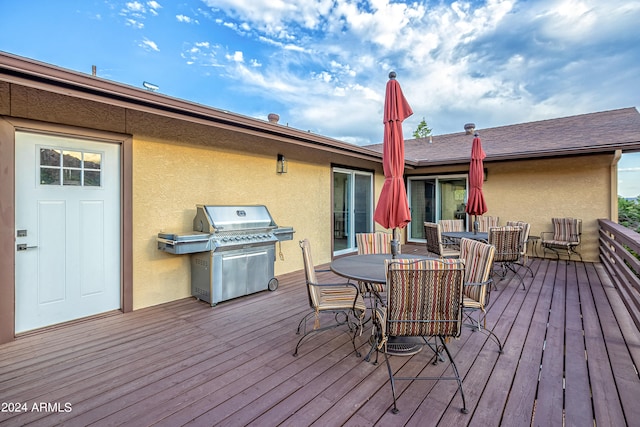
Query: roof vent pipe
{"type": "Point", "coordinates": [469, 128]}
{"type": "Point", "coordinates": [273, 118]}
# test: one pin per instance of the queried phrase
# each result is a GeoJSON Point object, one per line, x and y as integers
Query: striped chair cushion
{"type": "Point", "coordinates": [486, 222]}
{"type": "Point", "coordinates": [478, 263]}
{"type": "Point", "coordinates": [451, 225]}
{"type": "Point", "coordinates": [566, 230]}
{"type": "Point", "coordinates": [524, 236]}
{"type": "Point", "coordinates": [424, 297]}
{"type": "Point", "coordinates": [506, 241]}
{"type": "Point", "coordinates": [337, 298]}
{"type": "Point", "coordinates": [374, 243]}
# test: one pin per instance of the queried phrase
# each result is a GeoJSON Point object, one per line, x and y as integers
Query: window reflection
{"type": "Point", "coordinates": [92, 178]}
{"type": "Point", "coordinates": [70, 168]}
{"type": "Point", "coordinates": [71, 177]}
{"type": "Point", "coordinates": [72, 159]}
{"type": "Point", "coordinates": [49, 176]}
{"type": "Point", "coordinates": [92, 160]}
{"type": "Point", "coordinates": [49, 157]}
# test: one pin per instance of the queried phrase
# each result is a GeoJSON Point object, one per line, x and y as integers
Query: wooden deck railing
{"type": "Point", "coordinates": [623, 266]}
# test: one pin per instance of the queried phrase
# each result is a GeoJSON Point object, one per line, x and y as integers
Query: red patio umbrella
{"type": "Point", "coordinates": [392, 210]}
{"type": "Point", "coordinates": [475, 203]}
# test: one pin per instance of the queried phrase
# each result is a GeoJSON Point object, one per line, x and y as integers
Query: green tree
{"type": "Point", "coordinates": [629, 213]}
{"type": "Point", "coordinates": [423, 130]}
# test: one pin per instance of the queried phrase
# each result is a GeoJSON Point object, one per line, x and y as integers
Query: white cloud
{"type": "Point", "coordinates": [237, 56]}
{"type": "Point", "coordinates": [494, 63]}
{"type": "Point", "coordinates": [149, 45]}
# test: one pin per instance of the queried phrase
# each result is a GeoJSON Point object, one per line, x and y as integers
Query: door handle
{"type": "Point", "coordinates": [24, 247]}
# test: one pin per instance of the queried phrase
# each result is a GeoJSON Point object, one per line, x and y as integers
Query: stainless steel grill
{"type": "Point", "coordinates": [232, 251]}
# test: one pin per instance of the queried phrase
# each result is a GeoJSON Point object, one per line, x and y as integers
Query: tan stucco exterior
{"type": "Point", "coordinates": [535, 191]}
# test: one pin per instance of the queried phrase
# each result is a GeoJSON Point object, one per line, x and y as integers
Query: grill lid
{"type": "Point", "coordinates": [212, 219]}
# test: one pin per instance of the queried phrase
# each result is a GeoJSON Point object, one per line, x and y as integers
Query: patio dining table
{"type": "Point", "coordinates": [369, 268]}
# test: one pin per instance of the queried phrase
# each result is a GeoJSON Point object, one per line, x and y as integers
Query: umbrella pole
{"type": "Point", "coordinates": [394, 244]}
{"type": "Point", "coordinates": [476, 224]}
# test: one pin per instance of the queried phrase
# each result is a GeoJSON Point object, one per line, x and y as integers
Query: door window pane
{"type": "Point", "coordinates": [362, 204]}
{"type": "Point", "coordinates": [341, 197]}
{"type": "Point", "coordinates": [434, 198]}
{"type": "Point", "coordinates": [452, 198]}
{"type": "Point", "coordinates": [71, 177]}
{"type": "Point", "coordinates": [423, 203]}
{"type": "Point", "coordinates": [49, 157]}
{"type": "Point", "coordinates": [352, 208]}
{"type": "Point", "coordinates": [49, 176]}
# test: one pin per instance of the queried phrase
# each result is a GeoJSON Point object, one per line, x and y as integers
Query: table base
{"type": "Point", "coordinates": [404, 346]}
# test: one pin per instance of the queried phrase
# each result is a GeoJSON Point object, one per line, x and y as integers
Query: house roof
{"type": "Point", "coordinates": [582, 134]}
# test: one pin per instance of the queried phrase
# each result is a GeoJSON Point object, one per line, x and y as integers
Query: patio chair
{"type": "Point", "coordinates": [478, 264]}
{"type": "Point", "coordinates": [524, 239]}
{"type": "Point", "coordinates": [340, 299]}
{"type": "Point", "coordinates": [373, 243]}
{"type": "Point", "coordinates": [435, 245]}
{"type": "Point", "coordinates": [507, 242]}
{"type": "Point", "coordinates": [424, 299]}
{"type": "Point", "coordinates": [564, 237]}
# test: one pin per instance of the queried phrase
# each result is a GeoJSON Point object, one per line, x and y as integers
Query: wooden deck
{"type": "Point", "coordinates": [571, 357]}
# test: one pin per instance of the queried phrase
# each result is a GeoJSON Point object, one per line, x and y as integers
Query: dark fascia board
{"type": "Point", "coordinates": [38, 75]}
{"type": "Point", "coordinates": [629, 148]}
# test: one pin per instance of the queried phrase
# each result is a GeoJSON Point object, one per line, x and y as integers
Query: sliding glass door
{"type": "Point", "coordinates": [352, 207]}
{"type": "Point", "coordinates": [434, 198]}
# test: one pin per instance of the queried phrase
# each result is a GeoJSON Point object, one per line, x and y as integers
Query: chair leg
{"type": "Point", "coordinates": [393, 383]}
{"type": "Point", "coordinates": [436, 351]}
{"type": "Point", "coordinates": [353, 326]}
{"type": "Point", "coordinates": [525, 266]}
{"type": "Point", "coordinates": [476, 326]}
{"type": "Point", "coordinates": [464, 409]}
{"type": "Point", "coordinates": [509, 266]}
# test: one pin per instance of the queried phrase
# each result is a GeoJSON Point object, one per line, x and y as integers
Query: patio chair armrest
{"type": "Point", "coordinates": [345, 284]}
{"type": "Point", "coordinates": [487, 282]}
{"type": "Point", "coordinates": [543, 235]}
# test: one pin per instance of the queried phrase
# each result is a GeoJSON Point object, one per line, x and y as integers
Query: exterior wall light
{"type": "Point", "coordinates": [281, 164]}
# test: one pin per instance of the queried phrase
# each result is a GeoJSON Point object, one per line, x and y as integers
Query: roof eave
{"type": "Point", "coordinates": [37, 75]}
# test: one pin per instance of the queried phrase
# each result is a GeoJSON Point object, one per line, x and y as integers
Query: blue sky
{"type": "Point", "coordinates": [322, 65]}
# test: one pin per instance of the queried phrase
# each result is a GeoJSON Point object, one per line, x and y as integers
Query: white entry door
{"type": "Point", "coordinates": [67, 229]}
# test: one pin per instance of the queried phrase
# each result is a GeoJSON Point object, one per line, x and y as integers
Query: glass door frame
{"type": "Point", "coordinates": [438, 196]}
{"type": "Point", "coordinates": [347, 223]}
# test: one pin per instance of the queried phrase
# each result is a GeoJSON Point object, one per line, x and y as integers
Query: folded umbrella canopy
{"type": "Point", "coordinates": [392, 210]}
{"type": "Point", "coordinates": [475, 203]}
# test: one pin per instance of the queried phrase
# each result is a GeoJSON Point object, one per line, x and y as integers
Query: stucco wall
{"type": "Point", "coordinates": [537, 190]}
{"type": "Point", "coordinates": [170, 179]}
